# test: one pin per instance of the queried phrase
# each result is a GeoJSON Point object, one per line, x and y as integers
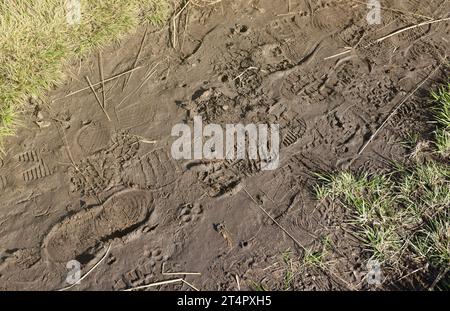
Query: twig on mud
{"type": "Point", "coordinates": [154, 285]}
{"type": "Point", "coordinates": [438, 278]}
{"type": "Point", "coordinates": [247, 69]}
{"type": "Point", "coordinates": [274, 221]}
{"type": "Point", "coordinates": [174, 21]}
{"type": "Point", "coordinates": [409, 274]}
{"type": "Point", "coordinates": [96, 97]}
{"type": "Point", "coordinates": [205, 2]}
{"type": "Point", "coordinates": [190, 285]}
{"type": "Point", "coordinates": [98, 83]}
{"type": "Point", "coordinates": [100, 66]}
{"type": "Point", "coordinates": [339, 54]}
{"type": "Point", "coordinates": [238, 282]}
{"type": "Point", "coordinates": [177, 273]}
{"type": "Point", "coordinates": [90, 270]}
{"type": "Point", "coordinates": [388, 36]}
{"type": "Point", "coordinates": [127, 79]}
{"type": "Point", "coordinates": [162, 283]}
{"type": "Point", "coordinates": [151, 72]}
{"type": "Point", "coordinates": [411, 27]}
{"type": "Point", "coordinates": [405, 99]}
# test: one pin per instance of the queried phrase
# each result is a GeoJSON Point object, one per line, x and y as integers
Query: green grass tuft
{"type": "Point", "coordinates": [442, 116]}
{"type": "Point", "coordinates": [407, 210]}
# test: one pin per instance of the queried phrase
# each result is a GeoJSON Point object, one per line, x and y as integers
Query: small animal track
{"type": "Point", "coordinates": [190, 212]}
{"type": "Point", "coordinates": [134, 115]}
{"type": "Point", "coordinates": [284, 28]}
{"type": "Point", "coordinates": [81, 233]}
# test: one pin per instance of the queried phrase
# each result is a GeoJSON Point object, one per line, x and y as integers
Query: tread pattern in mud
{"type": "Point", "coordinates": [102, 171]}
{"type": "Point", "coordinates": [29, 156]}
{"type": "Point", "coordinates": [240, 71]}
{"type": "Point", "coordinates": [82, 232]}
{"type": "Point", "coordinates": [331, 18]}
{"type": "Point", "coordinates": [152, 171]}
{"type": "Point", "coordinates": [218, 180]}
{"type": "Point", "coordinates": [293, 131]}
{"type": "Point", "coordinates": [307, 87]}
{"type": "Point", "coordinates": [212, 105]}
{"type": "Point", "coordinates": [33, 166]}
{"type": "Point", "coordinates": [37, 172]}
{"type": "Point", "coordinates": [148, 266]}
{"type": "Point", "coordinates": [93, 137]}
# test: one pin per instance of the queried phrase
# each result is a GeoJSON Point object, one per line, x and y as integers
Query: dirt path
{"type": "Point", "coordinates": [74, 182]}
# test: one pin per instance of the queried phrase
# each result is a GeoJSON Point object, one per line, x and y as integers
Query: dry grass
{"type": "Point", "coordinates": [37, 42]}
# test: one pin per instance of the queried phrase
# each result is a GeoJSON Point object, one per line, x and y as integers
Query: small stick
{"type": "Point", "coordinates": [127, 79]}
{"type": "Point", "coordinates": [177, 273]}
{"type": "Point", "coordinates": [185, 30]}
{"type": "Point", "coordinates": [189, 284]}
{"type": "Point", "coordinates": [95, 84]}
{"type": "Point", "coordinates": [247, 69]}
{"type": "Point", "coordinates": [338, 54]}
{"type": "Point", "coordinates": [100, 65]}
{"type": "Point", "coordinates": [174, 41]}
{"type": "Point", "coordinates": [154, 284]}
{"type": "Point", "coordinates": [152, 72]}
{"type": "Point", "coordinates": [238, 283]}
{"type": "Point", "coordinates": [396, 109]}
{"type": "Point", "coordinates": [90, 270]}
{"type": "Point", "coordinates": [96, 97]}
{"type": "Point", "coordinates": [411, 27]}
{"type": "Point", "coordinates": [438, 278]}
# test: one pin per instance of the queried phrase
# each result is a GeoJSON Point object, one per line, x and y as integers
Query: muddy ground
{"type": "Point", "coordinates": [78, 180]}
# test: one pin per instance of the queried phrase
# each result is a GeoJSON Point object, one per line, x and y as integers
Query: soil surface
{"type": "Point", "coordinates": [78, 180]}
